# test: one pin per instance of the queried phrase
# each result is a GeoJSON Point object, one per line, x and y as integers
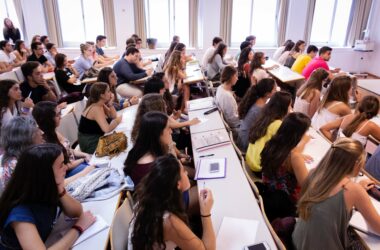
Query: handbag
{"type": "Point", "coordinates": [111, 145]}
{"type": "Point", "coordinates": [90, 73]}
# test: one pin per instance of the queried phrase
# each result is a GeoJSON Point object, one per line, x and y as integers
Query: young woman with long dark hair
{"type": "Point", "coordinates": [216, 62]}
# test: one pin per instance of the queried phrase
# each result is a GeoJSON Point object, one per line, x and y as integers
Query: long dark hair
{"type": "Point", "coordinates": [288, 46]}
{"type": "Point", "coordinates": [278, 148]}
{"type": "Point", "coordinates": [168, 98]}
{"type": "Point", "coordinates": [338, 91]}
{"type": "Point", "coordinates": [96, 90]}
{"type": "Point", "coordinates": [368, 108]}
{"type": "Point", "coordinates": [32, 181]}
{"type": "Point", "coordinates": [169, 52]}
{"type": "Point", "coordinates": [103, 76]}
{"type": "Point", "coordinates": [44, 113]}
{"type": "Point", "coordinates": [157, 195]}
{"type": "Point", "coordinates": [296, 47]}
{"type": "Point", "coordinates": [243, 58]}
{"type": "Point", "coordinates": [59, 60]}
{"type": "Point", "coordinates": [315, 81]}
{"type": "Point", "coordinates": [218, 51]}
{"type": "Point", "coordinates": [18, 47]}
{"type": "Point", "coordinates": [262, 88]}
{"type": "Point", "coordinates": [256, 62]}
{"type": "Point", "coordinates": [276, 109]}
{"type": "Point", "coordinates": [5, 86]}
{"type": "Point", "coordinates": [152, 125]}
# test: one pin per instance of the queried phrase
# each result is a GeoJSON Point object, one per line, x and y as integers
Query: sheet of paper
{"type": "Point", "coordinates": [205, 168]}
{"type": "Point", "coordinates": [358, 221]}
{"type": "Point", "coordinates": [236, 233]}
{"type": "Point", "coordinates": [99, 225]}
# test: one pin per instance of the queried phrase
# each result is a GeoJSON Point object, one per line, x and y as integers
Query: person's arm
{"type": "Point", "coordinates": [297, 162]}
{"type": "Point", "coordinates": [327, 128]}
{"type": "Point", "coordinates": [100, 118]}
{"type": "Point", "coordinates": [126, 72]}
{"type": "Point", "coordinates": [344, 110]}
{"type": "Point", "coordinates": [82, 173]}
{"type": "Point", "coordinates": [314, 103]}
{"type": "Point", "coordinates": [49, 96]}
{"type": "Point", "coordinates": [175, 124]}
{"type": "Point", "coordinates": [374, 130]}
{"type": "Point", "coordinates": [218, 60]}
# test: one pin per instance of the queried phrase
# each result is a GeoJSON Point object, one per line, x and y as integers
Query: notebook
{"type": "Point", "coordinates": [99, 225]}
{"type": "Point", "coordinates": [201, 104]}
{"type": "Point", "coordinates": [211, 168]}
{"type": "Point", "coordinates": [213, 139]}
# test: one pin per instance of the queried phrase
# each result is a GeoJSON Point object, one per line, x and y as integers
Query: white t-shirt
{"type": "Point", "coordinates": [7, 58]}
{"type": "Point", "coordinates": [207, 55]}
{"type": "Point", "coordinates": [260, 74]}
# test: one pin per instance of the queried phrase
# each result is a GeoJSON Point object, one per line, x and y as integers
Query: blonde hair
{"type": "Point", "coordinates": [174, 65]}
{"type": "Point", "coordinates": [84, 46]}
{"type": "Point", "coordinates": [338, 91]}
{"type": "Point", "coordinates": [340, 161]}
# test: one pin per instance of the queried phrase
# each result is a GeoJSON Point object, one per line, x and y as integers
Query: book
{"type": "Point", "coordinates": [203, 103]}
{"type": "Point", "coordinates": [99, 225]}
{"type": "Point", "coordinates": [211, 168]}
{"type": "Point", "coordinates": [210, 140]}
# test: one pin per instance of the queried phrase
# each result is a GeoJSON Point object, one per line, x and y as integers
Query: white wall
{"type": "Point", "coordinates": [344, 58]}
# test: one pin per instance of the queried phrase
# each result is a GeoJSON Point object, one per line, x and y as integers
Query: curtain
{"type": "Point", "coordinates": [109, 21]}
{"type": "Point", "coordinates": [140, 26]}
{"type": "Point", "coordinates": [53, 22]}
{"type": "Point", "coordinates": [309, 20]}
{"type": "Point", "coordinates": [226, 20]}
{"type": "Point", "coordinates": [282, 21]}
{"type": "Point", "coordinates": [20, 17]}
{"type": "Point", "coordinates": [360, 11]}
{"type": "Point", "coordinates": [193, 7]}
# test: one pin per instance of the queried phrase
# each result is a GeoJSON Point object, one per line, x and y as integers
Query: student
{"type": "Point", "coordinates": [243, 45]}
{"type": "Point", "coordinates": [51, 52]}
{"type": "Point", "coordinates": [251, 39]}
{"type": "Point", "coordinates": [175, 39]}
{"type": "Point", "coordinates": [288, 58]}
{"type": "Point", "coordinates": [358, 126]}
{"type": "Point", "coordinates": [175, 73]}
{"type": "Point", "coordinates": [86, 60]}
{"type": "Point", "coordinates": [286, 50]}
{"type": "Point", "coordinates": [30, 202]}
{"type": "Point", "coordinates": [308, 97]}
{"type": "Point", "coordinates": [16, 135]}
{"type": "Point", "coordinates": [108, 76]}
{"type": "Point", "coordinates": [334, 103]}
{"type": "Point", "coordinates": [138, 43]}
{"type": "Point", "coordinates": [48, 117]}
{"type": "Point", "coordinates": [244, 81]}
{"type": "Point", "coordinates": [279, 50]}
{"type": "Point", "coordinates": [161, 191]}
{"type": "Point", "coordinates": [20, 51]}
{"type": "Point", "coordinates": [38, 56]}
{"type": "Point", "coordinates": [302, 60]}
{"type": "Point", "coordinates": [99, 117]}
{"type": "Point", "coordinates": [320, 62]}
{"type": "Point", "coordinates": [216, 62]}
{"type": "Point", "coordinates": [329, 196]}
{"type": "Point", "coordinates": [164, 60]}
{"type": "Point", "coordinates": [265, 126]}
{"type": "Point", "coordinates": [6, 54]}
{"type": "Point", "coordinates": [35, 86]}
{"type": "Point", "coordinates": [10, 101]}
{"type": "Point", "coordinates": [152, 43]}
{"type": "Point", "coordinates": [210, 51]}
{"type": "Point", "coordinates": [182, 48]}
{"type": "Point", "coordinates": [257, 72]}
{"type": "Point", "coordinates": [10, 31]}
{"type": "Point", "coordinates": [127, 70]}
{"type": "Point", "coordinates": [225, 99]}
{"type": "Point", "coordinates": [250, 107]}
{"type": "Point", "coordinates": [66, 75]}
{"type": "Point", "coordinates": [283, 166]}
{"type": "Point", "coordinates": [36, 38]}
{"type": "Point", "coordinates": [100, 43]}
{"type": "Point", "coordinates": [44, 40]}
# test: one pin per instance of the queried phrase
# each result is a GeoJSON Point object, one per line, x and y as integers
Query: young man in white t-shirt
{"type": "Point", "coordinates": [6, 55]}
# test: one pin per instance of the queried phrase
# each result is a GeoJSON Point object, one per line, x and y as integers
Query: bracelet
{"type": "Point", "coordinates": [60, 195]}
{"type": "Point", "coordinates": [78, 228]}
{"type": "Point", "coordinates": [205, 216]}
{"type": "Point", "coordinates": [129, 102]}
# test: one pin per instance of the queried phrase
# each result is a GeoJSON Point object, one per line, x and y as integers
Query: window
{"type": "Point", "coordinates": [254, 17]}
{"type": "Point", "coordinates": [7, 10]}
{"type": "Point", "coordinates": [166, 18]}
{"type": "Point", "coordinates": [330, 22]}
{"type": "Point", "coordinates": [81, 20]}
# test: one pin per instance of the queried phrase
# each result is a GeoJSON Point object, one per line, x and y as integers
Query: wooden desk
{"type": "Point", "coordinates": [193, 72]}
{"type": "Point", "coordinates": [369, 87]}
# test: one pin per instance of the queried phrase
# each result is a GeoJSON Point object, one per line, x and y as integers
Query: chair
{"type": "Point", "coordinates": [79, 108]}
{"type": "Point", "coordinates": [68, 127]}
{"type": "Point", "coordinates": [19, 74]}
{"type": "Point", "coordinates": [11, 75]}
{"type": "Point", "coordinates": [56, 86]}
{"type": "Point", "coordinates": [119, 231]}
{"type": "Point", "coordinates": [251, 178]}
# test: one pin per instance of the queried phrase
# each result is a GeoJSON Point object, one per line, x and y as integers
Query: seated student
{"type": "Point", "coordinates": [216, 63]}
{"type": "Point", "coordinates": [287, 59]}
{"type": "Point", "coordinates": [36, 38]}
{"type": "Point", "coordinates": [48, 116]}
{"type": "Point", "coordinates": [289, 45]}
{"type": "Point", "coordinates": [30, 202]}
{"type": "Point", "coordinates": [51, 52]}
{"type": "Point", "coordinates": [265, 126]}
{"type": "Point", "coordinates": [243, 45]}
{"type": "Point", "coordinates": [358, 126]}
{"type": "Point", "coordinates": [100, 62]}
{"type": "Point", "coordinates": [138, 43]}
{"type": "Point", "coordinates": [182, 48]}
{"type": "Point", "coordinates": [308, 96]}
{"type": "Point", "coordinates": [99, 117]}
{"type": "Point", "coordinates": [6, 54]}
{"type": "Point", "coordinates": [86, 60]}
{"type": "Point", "coordinates": [302, 60]}
{"type": "Point", "coordinates": [10, 31]}
{"type": "Point", "coordinates": [329, 196]}
{"type": "Point", "coordinates": [100, 43]}
{"type": "Point", "coordinates": [21, 51]}
{"type": "Point", "coordinates": [225, 99]}
{"type": "Point", "coordinates": [35, 86]}
{"type": "Point", "coordinates": [44, 40]}
{"type": "Point", "coordinates": [66, 75]}
{"type": "Point", "coordinates": [152, 43]}
{"type": "Point", "coordinates": [161, 191]}
{"type": "Point", "coordinates": [5, 67]}
{"type": "Point", "coordinates": [16, 135]}
{"type": "Point", "coordinates": [244, 81]}
{"type": "Point", "coordinates": [210, 51]}
{"type": "Point", "coordinates": [163, 60]}
{"type": "Point", "coordinates": [279, 50]}
{"type": "Point", "coordinates": [320, 62]}
{"type": "Point", "coordinates": [175, 73]}
{"type": "Point", "coordinates": [127, 71]}
{"type": "Point", "coordinates": [250, 107]}
{"type": "Point", "coordinates": [283, 166]}
{"type": "Point", "coordinates": [10, 101]}
{"type": "Point", "coordinates": [334, 103]}
{"type": "Point", "coordinates": [108, 76]}
{"type": "Point", "coordinates": [38, 56]}
{"type": "Point", "coordinates": [256, 71]}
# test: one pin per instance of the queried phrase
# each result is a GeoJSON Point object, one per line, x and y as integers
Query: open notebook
{"type": "Point", "coordinates": [213, 139]}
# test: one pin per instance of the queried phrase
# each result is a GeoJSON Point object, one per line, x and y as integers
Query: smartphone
{"type": "Point", "coordinates": [258, 246]}
{"type": "Point", "coordinates": [210, 111]}
{"type": "Point", "coordinates": [154, 59]}
{"type": "Point", "coordinates": [214, 167]}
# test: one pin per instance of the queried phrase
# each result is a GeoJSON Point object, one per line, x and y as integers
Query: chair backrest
{"type": "Point", "coordinates": [251, 178]}
{"type": "Point", "coordinates": [68, 127]}
{"type": "Point", "coordinates": [79, 108]}
{"type": "Point", "coordinates": [56, 86]}
{"type": "Point", "coordinates": [9, 75]}
{"type": "Point", "coordinates": [120, 225]}
{"type": "Point", "coordinates": [19, 74]}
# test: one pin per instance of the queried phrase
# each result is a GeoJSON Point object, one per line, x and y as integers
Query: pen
{"type": "Point", "coordinates": [30, 94]}
{"type": "Point", "coordinates": [202, 156]}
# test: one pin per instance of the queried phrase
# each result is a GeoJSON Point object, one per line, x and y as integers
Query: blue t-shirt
{"type": "Point", "coordinates": [42, 216]}
{"type": "Point", "coordinates": [99, 51]}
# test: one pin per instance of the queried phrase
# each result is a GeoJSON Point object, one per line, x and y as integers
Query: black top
{"type": "Point", "coordinates": [62, 77]}
{"type": "Point", "coordinates": [12, 34]}
{"type": "Point", "coordinates": [37, 92]}
{"type": "Point", "coordinates": [87, 126]}
{"type": "Point", "coordinates": [42, 59]}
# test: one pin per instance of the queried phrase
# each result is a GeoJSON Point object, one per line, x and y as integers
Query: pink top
{"type": "Point", "coordinates": [314, 64]}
